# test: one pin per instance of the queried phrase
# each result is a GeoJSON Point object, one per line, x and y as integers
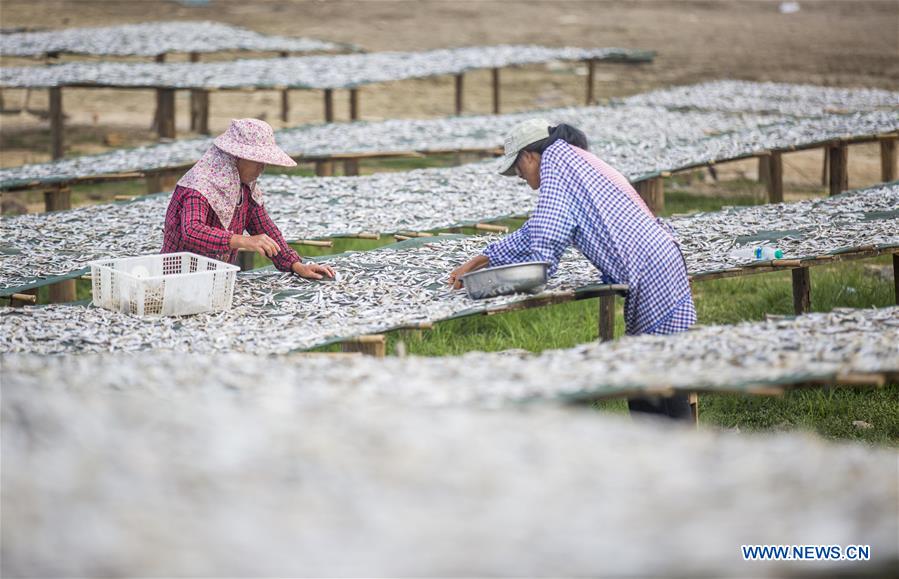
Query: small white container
{"type": "Point", "coordinates": [165, 284]}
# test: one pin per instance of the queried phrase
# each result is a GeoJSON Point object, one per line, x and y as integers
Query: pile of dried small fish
{"type": "Point", "coordinates": [103, 460]}
{"type": "Point", "coordinates": [38, 246]}
{"type": "Point", "coordinates": [327, 71]}
{"type": "Point", "coordinates": [626, 134]}
{"type": "Point", "coordinates": [736, 358]}
{"type": "Point", "coordinates": [152, 38]}
{"type": "Point", "coordinates": [277, 313]}
{"type": "Point", "coordinates": [804, 229]}
{"type": "Point", "coordinates": [378, 290]}
{"type": "Point", "coordinates": [768, 97]}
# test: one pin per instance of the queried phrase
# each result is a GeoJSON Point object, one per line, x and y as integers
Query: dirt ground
{"type": "Point", "coordinates": [845, 43]}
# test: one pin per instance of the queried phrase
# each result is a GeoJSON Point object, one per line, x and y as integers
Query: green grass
{"type": "Point", "coordinates": [826, 411]}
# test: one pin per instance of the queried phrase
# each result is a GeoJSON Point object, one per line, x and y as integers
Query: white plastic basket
{"type": "Point", "coordinates": [168, 284]}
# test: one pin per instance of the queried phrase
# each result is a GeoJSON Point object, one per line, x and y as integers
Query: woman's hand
{"type": "Point", "coordinates": [261, 244]}
{"type": "Point", "coordinates": [312, 270]}
{"type": "Point", "coordinates": [476, 262]}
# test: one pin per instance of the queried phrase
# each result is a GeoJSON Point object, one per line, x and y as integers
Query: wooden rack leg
{"type": "Point", "coordinates": [896, 276]}
{"type": "Point", "coordinates": [160, 58]}
{"type": "Point", "coordinates": [62, 292]}
{"type": "Point", "coordinates": [775, 178]}
{"type": "Point", "coordinates": [888, 158]}
{"type": "Point", "coordinates": [838, 156]}
{"type": "Point", "coordinates": [372, 345]}
{"type": "Point", "coordinates": [764, 170]}
{"type": "Point", "coordinates": [199, 101]}
{"type": "Point", "coordinates": [591, 65]}
{"type": "Point", "coordinates": [496, 106]}
{"type": "Point", "coordinates": [693, 399]}
{"type": "Point", "coordinates": [802, 291]}
{"type": "Point", "coordinates": [351, 167]}
{"type": "Point", "coordinates": [23, 298]}
{"type": "Point", "coordinates": [354, 104]}
{"type": "Point", "coordinates": [199, 111]}
{"type": "Point", "coordinates": [165, 98]}
{"type": "Point", "coordinates": [607, 318]}
{"type": "Point", "coordinates": [329, 105]}
{"type": "Point", "coordinates": [58, 199]}
{"type": "Point", "coordinates": [285, 105]}
{"type": "Point", "coordinates": [825, 168]}
{"type": "Point", "coordinates": [161, 181]}
{"type": "Point", "coordinates": [285, 95]}
{"type": "Point", "coordinates": [324, 168]}
{"type": "Point", "coordinates": [460, 85]}
{"type": "Point", "coordinates": [653, 193]}
{"type": "Point", "coordinates": [246, 259]}
{"type": "Point", "coordinates": [57, 146]}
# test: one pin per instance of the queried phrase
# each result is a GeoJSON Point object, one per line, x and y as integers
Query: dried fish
{"type": "Point", "coordinates": [152, 38]}
{"type": "Point", "coordinates": [327, 71]}
{"type": "Point", "coordinates": [732, 358]}
{"type": "Point", "coordinates": [767, 97]}
{"type": "Point", "coordinates": [636, 138]}
{"type": "Point", "coordinates": [40, 246]}
{"type": "Point", "coordinates": [95, 443]}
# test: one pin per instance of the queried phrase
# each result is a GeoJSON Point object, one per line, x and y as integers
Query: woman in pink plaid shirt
{"type": "Point", "coordinates": [218, 199]}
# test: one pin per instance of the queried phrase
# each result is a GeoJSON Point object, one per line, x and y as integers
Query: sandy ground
{"type": "Point", "coordinates": [840, 43]}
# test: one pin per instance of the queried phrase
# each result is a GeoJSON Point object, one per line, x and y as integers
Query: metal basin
{"type": "Point", "coordinates": [506, 279]}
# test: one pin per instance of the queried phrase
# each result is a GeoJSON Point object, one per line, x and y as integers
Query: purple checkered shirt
{"type": "Point", "coordinates": [588, 204]}
{"type": "Point", "coordinates": [192, 225]}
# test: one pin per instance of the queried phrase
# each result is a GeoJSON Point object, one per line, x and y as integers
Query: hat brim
{"type": "Point", "coordinates": [507, 166]}
{"type": "Point", "coordinates": [267, 155]}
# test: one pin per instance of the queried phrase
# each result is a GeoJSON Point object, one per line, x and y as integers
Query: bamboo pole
{"type": "Point", "coordinates": [888, 158]}
{"type": "Point", "coordinates": [802, 297]}
{"type": "Point", "coordinates": [57, 122]}
{"type": "Point", "coordinates": [838, 154]}
{"type": "Point", "coordinates": [693, 400]}
{"type": "Point", "coordinates": [460, 85]}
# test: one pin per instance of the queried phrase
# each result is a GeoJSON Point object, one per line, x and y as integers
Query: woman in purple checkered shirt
{"type": "Point", "coordinates": [587, 204]}
{"type": "Point", "coordinates": [218, 199]}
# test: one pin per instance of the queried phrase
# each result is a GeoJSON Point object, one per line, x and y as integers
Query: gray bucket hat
{"type": "Point", "coordinates": [522, 135]}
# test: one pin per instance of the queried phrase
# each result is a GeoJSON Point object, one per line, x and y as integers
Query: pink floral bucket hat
{"type": "Point", "coordinates": [253, 140]}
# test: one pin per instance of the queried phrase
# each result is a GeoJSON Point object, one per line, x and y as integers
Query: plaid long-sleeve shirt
{"type": "Point", "coordinates": [192, 225]}
{"type": "Point", "coordinates": [588, 204]}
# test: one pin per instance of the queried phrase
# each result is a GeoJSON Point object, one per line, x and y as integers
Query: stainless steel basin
{"type": "Point", "coordinates": [506, 279]}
